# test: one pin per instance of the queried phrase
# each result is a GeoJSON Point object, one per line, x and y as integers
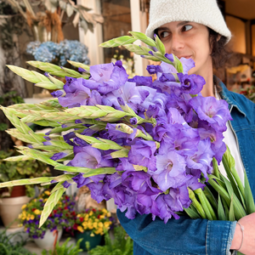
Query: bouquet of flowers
{"type": "Point", "coordinates": [59, 53]}
{"type": "Point", "coordinates": [62, 215]}
{"type": "Point", "coordinates": [94, 220]}
{"type": "Point", "coordinates": [152, 146]}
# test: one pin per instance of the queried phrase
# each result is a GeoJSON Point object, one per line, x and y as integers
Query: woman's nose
{"type": "Point", "coordinates": [177, 43]}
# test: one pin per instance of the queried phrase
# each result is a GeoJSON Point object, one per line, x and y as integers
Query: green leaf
{"type": "Point", "coordinates": [221, 213]}
{"type": "Point", "coordinates": [196, 204]}
{"type": "Point", "coordinates": [160, 46]}
{"type": "Point", "coordinates": [120, 41]}
{"type": "Point", "coordinates": [239, 211]}
{"type": "Point", "coordinates": [24, 73]}
{"type": "Point", "coordinates": [229, 165]}
{"type": "Point", "coordinates": [192, 213]}
{"type": "Point", "coordinates": [231, 210]}
{"type": "Point", "coordinates": [249, 201]}
{"type": "Point", "coordinates": [51, 202]}
{"type": "Point", "coordinates": [202, 198]}
{"type": "Point", "coordinates": [142, 37]}
{"type": "Point", "coordinates": [215, 168]}
{"type": "Point", "coordinates": [210, 197]}
{"type": "Point", "coordinates": [47, 85]}
{"type": "Point", "coordinates": [223, 193]}
{"type": "Point", "coordinates": [81, 65]}
{"type": "Point", "coordinates": [120, 154]}
{"type": "Point", "coordinates": [87, 172]}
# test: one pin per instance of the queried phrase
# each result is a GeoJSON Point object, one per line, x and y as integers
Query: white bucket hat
{"type": "Point", "coordinates": [205, 12]}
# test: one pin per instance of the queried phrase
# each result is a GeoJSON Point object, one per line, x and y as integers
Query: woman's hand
{"type": "Point", "coordinates": [248, 246]}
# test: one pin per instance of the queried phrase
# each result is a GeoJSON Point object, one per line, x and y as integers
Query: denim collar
{"type": "Point", "coordinates": [232, 102]}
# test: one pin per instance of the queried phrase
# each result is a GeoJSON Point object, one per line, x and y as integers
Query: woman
{"type": "Point", "coordinates": [197, 30]}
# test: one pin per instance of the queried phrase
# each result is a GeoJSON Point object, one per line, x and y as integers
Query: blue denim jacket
{"type": "Point", "coordinates": [186, 236]}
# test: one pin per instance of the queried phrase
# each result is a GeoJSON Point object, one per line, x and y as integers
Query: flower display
{"type": "Point", "coordinates": [62, 215]}
{"type": "Point", "coordinates": [59, 52]}
{"type": "Point", "coordinates": [152, 146]}
{"type": "Point", "coordinates": [97, 221]}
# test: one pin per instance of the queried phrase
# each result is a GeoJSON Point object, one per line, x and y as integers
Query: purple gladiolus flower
{"type": "Point", "coordinates": [170, 57]}
{"type": "Point", "coordinates": [48, 143]}
{"type": "Point", "coordinates": [81, 70]}
{"type": "Point", "coordinates": [90, 157]}
{"type": "Point", "coordinates": [77, 93]}
{"type": "Point", "coordinates": [106, 77]}
{"type": "Point", "coordinates": [66, 184]}
{"type": "Point", "coordinates": [58, 93]}
{"type": "Point", "coordinates": [58, 156]}
{"type": "Point", "coordinates": [211, 110]}
{"type": "Point", "coordinates": [153, 69]}
{"type": "Point", "coordinates": [133, 121]}
{"type": "Point", "coordinates": [171, 170]}
{"type": "Point", "coordinates": [191, 84]}
{"type": "Point", "coordinates": [142, 80]}
{"type": "Point", "coordinates": [125, 165]}
{"type": "Point", "coordinates": [202, 158]}
{"type": "Point", "coordinates": [142, 153]}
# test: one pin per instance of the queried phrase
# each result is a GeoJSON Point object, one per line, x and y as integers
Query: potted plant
{"type": "Point", "coordinates": [121, 244]}
{"type": "Point", "coordinates": [64, 249]}
{"type": "Point", "coordinates": [91, 225]}
{"type": "Point", "coordinates": [13, 198]}
{"type": "Point", "coordinates": [50, 232]}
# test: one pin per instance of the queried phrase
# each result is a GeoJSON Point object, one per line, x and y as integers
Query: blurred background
{"type": "Point", "coordinates": [59, 30]}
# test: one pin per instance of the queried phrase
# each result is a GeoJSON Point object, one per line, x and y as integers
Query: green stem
{"type": "Point", "coordinates": [196, 204]}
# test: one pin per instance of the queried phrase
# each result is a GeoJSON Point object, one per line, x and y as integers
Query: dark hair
{"type": "Point", "coordinates": [220, 53]}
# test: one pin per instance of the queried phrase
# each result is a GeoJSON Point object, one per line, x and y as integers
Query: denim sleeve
{"type": "Point", "coordinates": [183, 236]}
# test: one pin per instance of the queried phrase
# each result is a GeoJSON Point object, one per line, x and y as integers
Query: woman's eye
{"type": "Point", "coordinates": [163, 34]}
{"type": "Point", "coordinates": [187, 28]}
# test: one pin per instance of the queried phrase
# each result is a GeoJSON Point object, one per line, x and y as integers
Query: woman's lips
{"type": "Point", "coordinates": [184, 57]}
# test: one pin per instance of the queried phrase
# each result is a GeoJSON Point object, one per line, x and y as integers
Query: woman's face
{"type": "Point", "coordinates": [189, 40]}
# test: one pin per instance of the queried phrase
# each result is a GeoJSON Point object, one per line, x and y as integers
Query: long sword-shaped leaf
{"type": "Point", "coordinates": [202, 199]}
{"type": "Point", "coordinates": [77, 64]}
{"type": "Point", "coordinates": [51, 203]}
{"type": "Point", "coordinates": [231, 216]}
{"type": "Point", "coordinates": [239, 211]}
{"type": "Point", "coordinates": [87, 172]}
{"type": "Point", "coordinates": [229, 164]}
{"type": "Point", "coordinates": [26, 182]}
{"type": "Point", "coordinates": [192, 213]}
{"type": "Point", "coordinates": [55, 70]}
{"type": "Point", "coordinates": [221, 213]}
{"type": "Point", "coordinates": [142, 37]}
{"type": "Point", "coordinates": [120, 41]}
{"type": "Point", "coordinates": [210, 197]}
{"type": "Point", "coordinates": [249, 201]}
{"type": "Point", "coordinates": [196, 204]}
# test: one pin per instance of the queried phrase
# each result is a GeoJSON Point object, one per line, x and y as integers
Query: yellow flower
{"type": "Point", "coordinates": [90, 213]}
{"type": "Point", "coordinates": [23, 207]}
{"type": "Point", "coordinates": [37, 212]}
{"type": "Point", "coordinates": [92, 234]}
{"type": "Point", "coordinates": [90, 225]}
{"type": "Point", "coordinates": [95, 225]}
{"type": "Point", "coordinates": [85, 225]}
{"type": "Point", "coordinates": [80, 229]}
{"type": "Point", "coordinates": [107, 224]}
{"type": "Point", "coordinates": [101, 216]}
{"type": "Point", "coordinates": [109, 214]}
{"type": "Point", "coordinates": [47, 192]}
{"type": "Point", "coordinates": [100, 224]}
{"type": "Point", "coordinates": [32, 217]}
{"type": "Point", "coordinates": [45, 200]}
